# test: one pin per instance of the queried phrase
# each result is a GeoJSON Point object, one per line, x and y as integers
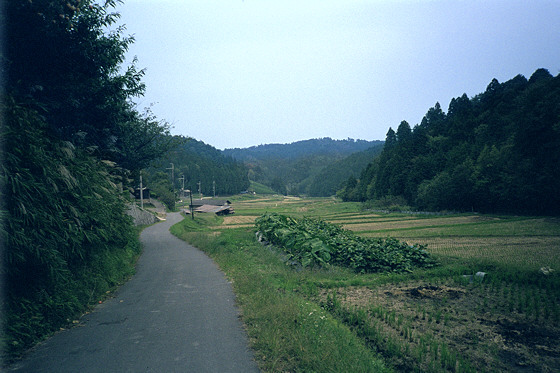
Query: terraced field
{"type": "Point", "coordinates": [446, 319]}
{"type": "Point", "coordinates": [511, 240]}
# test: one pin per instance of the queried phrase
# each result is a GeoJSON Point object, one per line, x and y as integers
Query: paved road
{"type": "Point", "coordinates": [177, 314]}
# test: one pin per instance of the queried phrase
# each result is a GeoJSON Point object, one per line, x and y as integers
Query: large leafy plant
{"type": "Point", "coordinates": [316, 242]}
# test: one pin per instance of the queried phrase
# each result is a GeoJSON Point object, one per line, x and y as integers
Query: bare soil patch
{"type": "Point", "coordinates": [477, 323]}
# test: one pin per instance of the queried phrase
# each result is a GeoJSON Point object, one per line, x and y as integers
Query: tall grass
{"type": "Point", "coordinates": [65, 234]}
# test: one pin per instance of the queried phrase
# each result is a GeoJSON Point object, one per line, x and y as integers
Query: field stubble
{"type": "Point", "coordinates": [457, 326]}
{"type": "Point", "coordinates": [438, 320]}
{"type": "Point", "coordinates": [529, 243]}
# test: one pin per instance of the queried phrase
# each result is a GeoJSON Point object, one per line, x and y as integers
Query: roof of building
{"type": "Point", "coordinates": [211, 202]}
{"type": "Point", "coordinates": [215, 209]}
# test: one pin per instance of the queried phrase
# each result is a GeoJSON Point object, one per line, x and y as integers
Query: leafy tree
{"type": "Point", "coordinates": [333, 176]}
{"type": "Point", "coordinates": [497, 152]}
{"type": "Point", "coordinates": [66, 234]}
{"type": "Point", "coordinates": [71, 136]}
{"type": "Point", "coordinates": [348, 192]}
{"type": "Point", "coordinates": [404, 133]}
{"type": "Point", "coordinates": [162, 188]}
{"type": "Point", "coordinates": [316, 167]}
{"type": "Point", "coordinates": [59, 56]}
{"type": "Point", "coordinates": [434, 120]}
{"type": "Point", "coordinates": [390, 139]}
{"type": "Point", "coordinates": [198, 162]}
{"type": "Point", "coordinates": [299, 149]}
{"type": "Point", "coordinates": [279, 186]}
{"type": "Point", "coordinates": [540, 75]}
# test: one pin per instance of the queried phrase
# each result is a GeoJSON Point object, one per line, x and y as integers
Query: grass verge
{"type": "Point", "coordinates": [287, 330]}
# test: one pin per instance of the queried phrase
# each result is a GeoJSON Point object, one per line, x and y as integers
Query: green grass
{"type": "Point", "coordinates": [336, 320]}
{"type": "Point", "coordinates": [260, 188]}
{"type": "Point", "coordinates": [287, 330]}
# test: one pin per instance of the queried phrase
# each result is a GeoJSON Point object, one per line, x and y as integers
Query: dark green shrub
{"type": "Point", "coordinates": [310, 241]}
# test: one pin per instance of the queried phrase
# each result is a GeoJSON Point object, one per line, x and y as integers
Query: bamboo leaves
{"type": "Point", "coordinates": [56, 229]}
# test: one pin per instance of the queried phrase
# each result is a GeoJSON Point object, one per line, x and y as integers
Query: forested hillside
{"type": "Point", "coordinates": [298, 149]}
{"type": "Point", "coordinates": [195, 162]}
{"type": "Point", "coordinates": [294, 168]}
{"type": "Point", "coordinates": [331, 177]}
{"type": "Point", "coordinates": [496, 152]}
{"type": "Point", "coordinates": [71, 140]}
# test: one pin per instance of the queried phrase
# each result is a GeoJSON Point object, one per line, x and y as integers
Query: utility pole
{"type": "Point", "coordinates": [192, 207]}
{"type": "Point", "coordinates": [172, 168]}
{"type": "Point", "coordinates": [172, 179]}
{"type": "Point", "coordinates": [182, 178]}
{"type": "Point", "coordinates": [141, 194]}
{"type": "Point", "coordinates": [214, 187]}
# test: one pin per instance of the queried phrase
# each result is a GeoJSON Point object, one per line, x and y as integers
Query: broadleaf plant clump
{"type": "Point", "coordinates": [313, 242]}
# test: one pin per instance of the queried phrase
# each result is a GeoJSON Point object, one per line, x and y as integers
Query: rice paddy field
{"type": "Point", "coordinates": [525, 242]}
{"type": "Point", "coordinates": [491, 305]}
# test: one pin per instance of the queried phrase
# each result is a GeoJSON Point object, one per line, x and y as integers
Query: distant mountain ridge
{"type": "Point", "coordinates": [298, 149]}
{"type": "Point", "coordinates": [315, 167]}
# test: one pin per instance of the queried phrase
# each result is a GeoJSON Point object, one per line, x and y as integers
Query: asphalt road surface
{"type": "Point", "coordinates": [177, 314]}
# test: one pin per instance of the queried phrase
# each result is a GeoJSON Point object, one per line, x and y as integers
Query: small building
{"type": "Point", "coordinates": [184, 193]}
{"type": "Point", "coordinates": [219, 207]}
{"type": "Point", "coordinates": [218, 210]}
{"type": "Point", "coordinates": [210, 202]}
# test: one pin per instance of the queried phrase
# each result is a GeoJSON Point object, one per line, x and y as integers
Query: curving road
{"type": "Point", "coordinates": [177, 314]}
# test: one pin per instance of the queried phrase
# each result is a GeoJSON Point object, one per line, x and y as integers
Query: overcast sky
{"type": "Point", "coordinates": [237, 73]}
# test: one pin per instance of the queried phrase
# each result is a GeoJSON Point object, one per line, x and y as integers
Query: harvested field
{"type": "Point", "coordinates": [236, 220]}
{"type": "Point", "coordinates": [366, 219]}
{"type": "Point", "coordinates": [410, 222]}
{"type": "Point", "coordinates": [467, 327]}
{"type": "Point", "coordinates": [534, 252]}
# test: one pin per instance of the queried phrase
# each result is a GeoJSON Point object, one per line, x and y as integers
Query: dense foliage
{"type": "Point", "coordinates": [332, 176]}
{"type": "Point", "coordinates": [61, 60]}
{"type": "Point", "coordinates": [496, 152]}
{"type": "Point", "coordinates": [315, 242]}
{"type": "Point", "coordinates": [71, 137]}
{"type": "Point", "coordinates": [300, 149]}
{"type": "Point", "coordinates": [195, 162]}
{"type": "Point", "coordinates": [300, 167]}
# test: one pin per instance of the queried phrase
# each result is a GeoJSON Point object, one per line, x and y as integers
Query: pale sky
{"type": "Point", "coordinates": [237, 73]}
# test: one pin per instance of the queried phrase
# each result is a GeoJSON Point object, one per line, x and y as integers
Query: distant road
{"type": "Point", "coordinates": [177, 314]}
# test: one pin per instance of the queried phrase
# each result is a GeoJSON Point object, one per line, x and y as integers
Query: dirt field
{"type": "Point", "coordinates": [238, 221]}
{"type": "Point", "coordinates": [468, 320]}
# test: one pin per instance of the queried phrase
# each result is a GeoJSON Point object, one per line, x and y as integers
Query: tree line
{"type": "Point", "coordinates": [73, 141]}
{"type": "Point", "coordinates": [496, 152]}
{"type": "Point", "coordinates": [196, 166]}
